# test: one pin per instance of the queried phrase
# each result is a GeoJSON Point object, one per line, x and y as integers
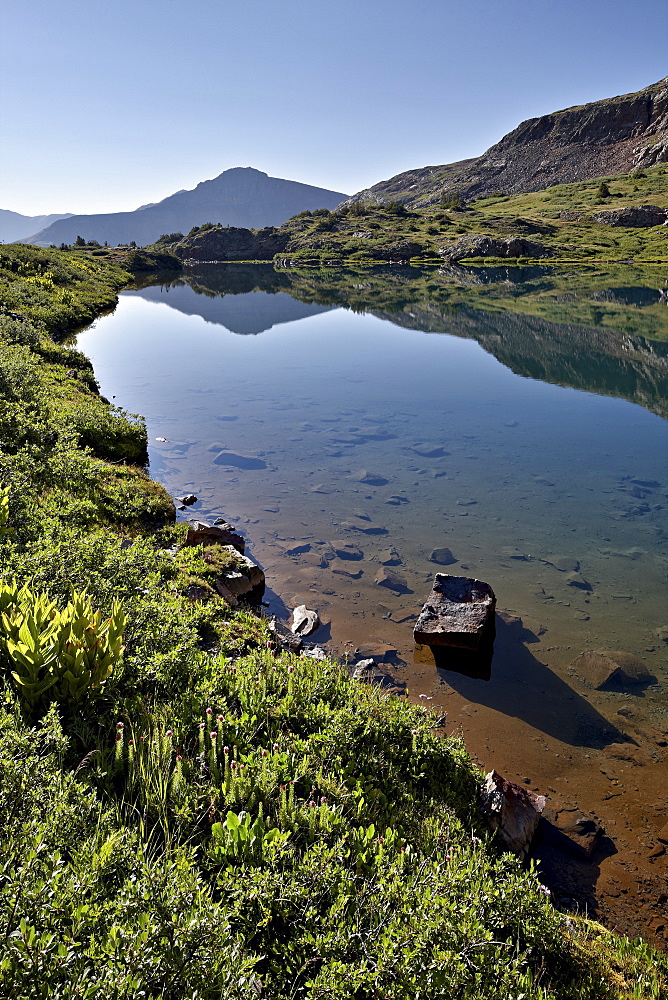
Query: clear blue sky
{"type": "Point", "coordinates": [108, 104]}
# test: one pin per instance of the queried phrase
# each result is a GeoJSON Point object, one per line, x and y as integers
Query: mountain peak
{"type": "Point", "coordinates": [240, 196]}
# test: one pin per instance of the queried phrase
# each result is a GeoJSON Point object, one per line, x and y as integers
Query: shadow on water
{"type": "Point", "coordinates": [524, 688]}
{"type": "Point", "coordinates": [571, 876]}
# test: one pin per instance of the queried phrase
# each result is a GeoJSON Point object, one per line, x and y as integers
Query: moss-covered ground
{"type": "Point", "coordinates": [220, 819]}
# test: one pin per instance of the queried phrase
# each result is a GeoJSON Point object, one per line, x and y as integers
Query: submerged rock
{"type": "Point", "coordinates": [389, 557]}
{"type": "Point", "coordinates": [612, 666]}
{"type": "Point", "coordinates": [457, 612]}
{"type": "Point", "coordinates": [565, 564]}
{"type": "Point", "coordinates": [442, 556]}
{"type": "Point", "coordinates": [572, 830]}
{"type": "Point", "coordinates": [392, 580]}
{"type": "Point", "coordinates": [346, 568]}
{"type": "Point", "coordinates": [369, 478]}
{"type": "Point", "coordinates": [347, 550]}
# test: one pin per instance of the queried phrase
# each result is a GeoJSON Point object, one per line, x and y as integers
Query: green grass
{"type": "Point", "coordinates": [220, 820]}
{"type": "Point", "coordinates": [537, 216]}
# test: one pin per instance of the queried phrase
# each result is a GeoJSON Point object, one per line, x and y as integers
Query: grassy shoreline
{"type": "Point", "coordinates": [562, 224]}
{"type": "Point", "coordinates": [217, 818]}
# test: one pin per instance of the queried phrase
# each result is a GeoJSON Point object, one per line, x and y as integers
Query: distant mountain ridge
{"type": "Point", "coordinates": [241, 196]}
{"type": "Point", "coordinates": [612, 136]}
{"type": "Point", "coordinates": [14, 226]}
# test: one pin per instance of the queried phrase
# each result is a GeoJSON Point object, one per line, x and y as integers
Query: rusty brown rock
{"type": "Point", "coordinates": [611, 666]}
{"type": "Point", "coordinates": [511, 811]}
{"type": "Point", "coordinates": [457, 612]}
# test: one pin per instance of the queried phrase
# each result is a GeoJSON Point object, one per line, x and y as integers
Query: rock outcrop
{"type": "Point", "coordinates": [640, 217]}
{"type": "Point", "coordinates": [479, 245]}
{"type": "Point", "coordinates": [224, 243]}
{"type": "Point", "coordinates": [612, 136]}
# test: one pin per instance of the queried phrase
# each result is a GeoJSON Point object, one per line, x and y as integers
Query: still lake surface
{"type": "Point", "coordinates": [531, 449]}
{"type": "Point", "coordinates": [307, 424]}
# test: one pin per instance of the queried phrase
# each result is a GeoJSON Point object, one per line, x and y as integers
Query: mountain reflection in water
{"type": "Point", "coordinates": [629, 360]}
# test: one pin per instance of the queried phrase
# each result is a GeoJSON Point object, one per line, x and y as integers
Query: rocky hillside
{"type": "Point", "coordinates": [241, 196]}
{"type": "Point", "coordinates": [613, 136]}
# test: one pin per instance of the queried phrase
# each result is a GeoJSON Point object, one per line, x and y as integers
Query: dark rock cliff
{"type": "Point", "coordinates": [232, 243]}
{"type": "Point", "coordinates": [613, 136]}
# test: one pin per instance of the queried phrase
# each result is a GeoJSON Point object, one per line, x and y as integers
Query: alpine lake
{"type": "Point", "coordinates": [513, 415]}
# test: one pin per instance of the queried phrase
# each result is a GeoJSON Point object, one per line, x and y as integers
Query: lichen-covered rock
{"type": "Point", "coordinates": [480, 245]}
{"type": "Point", "coordinates": [638, 217]}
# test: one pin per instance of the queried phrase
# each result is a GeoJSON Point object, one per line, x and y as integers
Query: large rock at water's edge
{"type": "Point", "coordinates": [201, 533]}
{"type": "Point", "coordinates": [304, 621]}
{"type": "Point", "coordinates": [612, 666]}
{"type": "Point", "coordinates": [457, 612]}
{"type": "Point", "coordinates": [491, 246]}
{"type": "Point", "coordinates": [511, 811]}
{"type": "Point", "coordinates": [247, 581]}
{"type": "Point", "coordinates": [638, 217]}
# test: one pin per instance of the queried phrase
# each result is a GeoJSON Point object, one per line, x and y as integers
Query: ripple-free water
{"type": "Point", "coordinates": [279, 432]}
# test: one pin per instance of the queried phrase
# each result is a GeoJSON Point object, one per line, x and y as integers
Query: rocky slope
{"type": "Point", "coordinates": [241, 196]}
{"type": "Point", "coordinates": [608, 137]}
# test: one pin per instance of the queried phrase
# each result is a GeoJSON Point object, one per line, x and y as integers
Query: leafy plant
{"type": "Point", "coordinates": [4, 512]}
{"type": "Point", "coordinates": [63, 655]}
{"type": "Point", "coordinates": [242, 839]}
